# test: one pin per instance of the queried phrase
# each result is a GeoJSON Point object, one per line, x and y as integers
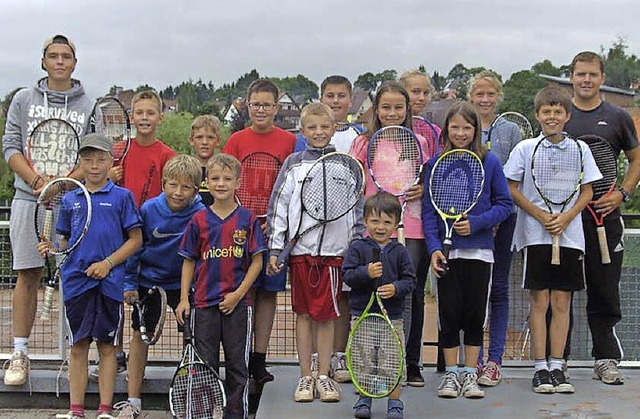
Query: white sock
{"type": "Point", "coordinates": [136, 402]}
{"type": "Point", "coordinates": [20, 344]}
{"type": "Point", "coordinates": [541, 364]}
{"type": "Point", "coordinates": [556, 364]}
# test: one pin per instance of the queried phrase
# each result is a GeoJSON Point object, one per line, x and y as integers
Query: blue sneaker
{"type": "Point", "coordinates": [395, 409]}
{"type": "Point", "coordinates": [362, 408]}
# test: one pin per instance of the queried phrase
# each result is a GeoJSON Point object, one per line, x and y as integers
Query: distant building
{"type": "Point", "coordinates": [361, 103]}
{"type": "Point", "coordinates": [620, 97]}
{"type": "Point", "coordinates": [288, 117]}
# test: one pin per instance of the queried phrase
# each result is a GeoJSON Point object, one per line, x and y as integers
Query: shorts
{"type": "Point", "coordinates": [95, 316]}
{"type": "Point", "coordinates": [540, 274]}
{"type": "Point", "coordinates": [272, 283]}
{"type": "Point", "coordinates": [152, 312]}
{"type": "Point", "coordinates": [397, 324]}
{"type": "Point", "coordinates": [22, 233]}
{"type": "Point", "coordinates": [316, 285]}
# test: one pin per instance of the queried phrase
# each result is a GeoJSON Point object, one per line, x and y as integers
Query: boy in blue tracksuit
{"type": "Point", "coordinates": [394, 273]}
{"type": "Point", "coordinates": [164, 219]}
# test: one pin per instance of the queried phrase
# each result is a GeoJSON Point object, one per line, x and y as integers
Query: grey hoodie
{"type": "Point", "coordinates": [32, 105]}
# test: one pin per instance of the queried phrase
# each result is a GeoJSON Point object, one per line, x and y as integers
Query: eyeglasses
{"type": "Point", "coordinates": [265, 106]}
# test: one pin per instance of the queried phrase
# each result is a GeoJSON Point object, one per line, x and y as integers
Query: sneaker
{"type": "Point", "coordinates": [541, 382]}
{"type": "Point", "coordinates": [339, 369]}
{"type": "Point", "coordinates": [414, 377]}
{"type": "Point", "coordinates": [449, 386]}
{"type": "Point", "coordinates": [470, 388]}
{"type": "Point", "coordinates": [68, 415]}
{"type": "Point", "coordinates": [606, 370]}
{"type": "Point", "coordinates": [362, 408]}
{"type": "Point", "coordinates": [395, 409]}
{"type": "Point", "coordinates": [105, 415]}
{"type": "Point", "coordinates": [560, 382]}
{"type": "Point", "coordinates": [18, 371]}
{"type": "Point", "coordinates": [491, 375]}
{"type": "Point", "coordinates": [327, 390]}
{"type": "Point", "coordinates": [304, 390]}
{"type": "Point", "coordinates": [314, 365]}
{"type": "Point", "coordinates": [258, 369]}
{"type": "Point", "coordinates": [565, 369]}
{"type": "Point", "coordinates": [126, 409]}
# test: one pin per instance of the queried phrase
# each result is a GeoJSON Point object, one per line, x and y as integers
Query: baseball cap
{"type": "Point", "coordinates": [97, 141]}
{"type": "Point", "coordinates": [59, 39]}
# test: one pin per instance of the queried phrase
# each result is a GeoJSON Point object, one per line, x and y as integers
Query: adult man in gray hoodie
{"type": "Point", "coordinates": [55, 96]}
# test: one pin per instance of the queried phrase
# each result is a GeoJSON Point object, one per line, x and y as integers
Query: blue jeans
{"type": "Point", "coordinates": [413, 313]}
{"type": "Point", "coordinates": [499, 297]}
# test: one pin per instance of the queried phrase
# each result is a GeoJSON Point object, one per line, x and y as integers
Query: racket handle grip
{"type": "Point", "coordinates": [605, 258]}
{"type": "Point", "coordinates": [47, 303]}
{"type": "Point", "coordinates": [446, 247]}
{"type": "Point", "coordinates": [186, 333]}
{"type": "Point", "coordinates": [284, 255]}
{"type": "Point", "coordinates": [555, 250]}
{"type": "Point", "coordinates": [401, 235]}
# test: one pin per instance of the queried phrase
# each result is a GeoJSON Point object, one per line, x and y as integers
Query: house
{"type": "Point", "coordinates": [361, 102]}
{"type": "Point", "coordinates": [288, 117]}
{"type": "Point", "coordinates": [619, 97]}
{"type": "Point", "coordinates": [230, 112]}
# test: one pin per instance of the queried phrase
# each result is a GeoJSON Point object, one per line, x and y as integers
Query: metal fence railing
{"type": "Point", "coordinates": [47, 340]}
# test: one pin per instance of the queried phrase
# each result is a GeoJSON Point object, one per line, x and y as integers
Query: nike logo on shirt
{"type": "Point", "coordinates": [159, 235]}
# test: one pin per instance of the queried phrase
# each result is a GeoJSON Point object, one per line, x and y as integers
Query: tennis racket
{"type": "Point", "coordinates": [109, 117]}
{"type": "Point", "coordinates": [395, 161]}
{"type": "Point", "coordinates": [428, 130]}
{"type": "Point", "coordinates": [331, 188]}
{"type": "Point", "coordinates": [257, 176]}
{"type": "Point", "coordinates": [455, 185]}
{"type": "Point", "coordinates": [52, 214]}
{"type": "Point", "coordinates": [52, 148]}
{"type": "Point", "coordinates": [147, 184]}
{"type": "Point", "coordinates": [607, 163]}
{"type": "Point", "coordinates": [374, 352]}
{"type": "Point", "coordinates": [505, 125]}
{"type": "Point", "coordinates": [557, 171]}
{"type": "Point", "coordinates": [196, 391]}
{"type": "Point", "coordinates": [141, 308]}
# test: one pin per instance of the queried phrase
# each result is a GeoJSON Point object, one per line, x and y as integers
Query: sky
{"type": "Point", "coordinates": [160, 42]}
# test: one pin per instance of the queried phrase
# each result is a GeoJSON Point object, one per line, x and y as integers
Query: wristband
{"type": "Point", "coordinates": [110, 262]}
{"type": "Point", "coordinates": [35, 181]}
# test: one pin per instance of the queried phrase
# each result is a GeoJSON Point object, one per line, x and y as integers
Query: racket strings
{"type": "Point", "coordinates": [394, 159]}
{"type": "Point", "coordinates": [422, 127]}
{"type": "Point", "coordinates": [53, 148]}
{"type": "Point", "coordinates": [607, 164]}
{"type": "Point", "coordinates": [196, 389]}
{"type": "Point", "coordinates": [332, 187]}
{"type": "Point", "coordinates": [557, 170]}
{"type": "Point", "coordinates": [377, 357]}
{"type": "Point", "coordinates": [523, 124]}
{"type": "Point", "coordinates": [112, 120]}
{"type": "Point", "coordinates": [456, 182]}
{"type": "Point", "coordinates": [257, 178]}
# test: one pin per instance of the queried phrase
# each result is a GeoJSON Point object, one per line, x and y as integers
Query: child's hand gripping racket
{"type": "Point", "coordinates": [455, 185]}
{"type": "Point", "coordinates": [141, 305]}
{"type": "Point", "coordinates": [395, 161]}
{"type": "Point", "coordinates": [375, 357]}
{"type": "Point", "coordinates": [557, 170]}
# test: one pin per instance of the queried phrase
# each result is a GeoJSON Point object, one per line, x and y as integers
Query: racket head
{"type": "Point", "coordinates": [456, 182]}
{"type": "Point", "coordinates": [258, 175]}
{"type": "Point", "coordinates": [519, 120]}
{"type": "Point", "coordinates": [109, 117]}
{"type": "Point", "coordinates": [332, 186]}
{"type": "Point", "coordinates": [557, 169]}
{"type": "Point", "coordinates": [607, 163]}
{"type": "Point", "coordinates": [394, 159]}
{"type": "Point", "coordinates": [374, 355]}
{"type": "Point", "coordinates": [51, 215]}
{"type": "Point", "coordinates": [158, 294]}
{"type": "Point", "coordinates": [52, 148]}
{"type": "Point", "coordinates": [428, 130]}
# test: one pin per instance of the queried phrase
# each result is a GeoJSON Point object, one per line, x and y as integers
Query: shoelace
{"type": "Point", "coordinates": [305, 385]}
{"type": "Point", "coordinates": [126, 407]}
{"type": "Point", "coordinates": [21, 361]}
{"type": "Point", "coordinates": [491, 370]}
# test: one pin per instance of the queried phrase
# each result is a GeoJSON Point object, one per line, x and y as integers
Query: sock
{"type": "Point", "coordinates": [453, 368]}
{"type": "Point", "coordinates": [20, 344]}
{"type": "Point", "coordinates": [77, 410]}
{"type": "Point", "coordinates": [540, 364]}
{"type": "Point", "coordinates": [340, 354]}
{"type": "Point", "coordinates": [136, 402]}
{"type": "Point", "coordinates": [556, 364]}
{"type": "Point", "coordinates": [468, 370]}
{"type": "Point", "coordinates": [104, 408]}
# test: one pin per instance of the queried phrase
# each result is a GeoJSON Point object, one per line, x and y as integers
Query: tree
{"type": "Point", "coordinates": [621, 69]}
{"type": "Point", "coordinates": [299, 87]}
{"type": "Point", "coordinates": [519, 92]}
{"type": "Point", "coordinates": [366, 81]}
{"type": "Point", "coordinates": [546, 67]}
{"type": "Point", "coordinates": [143, 87]}
{"type": "Point", "coordinates": [438, 82]}
{"type": "Point", "coordinates": [175, 130]}
{"type": "Point", "coordinates": [6, 175]}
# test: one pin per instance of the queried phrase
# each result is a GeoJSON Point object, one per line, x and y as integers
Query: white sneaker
{"type": "Point", "coordinates": [339, 370]}
{"type": "Point", "coordinates": [606, 370]}
{"type": "Point", "coordinates": [126, 409]}
{"type": "Point", "coordinates": [327, 389]}
{"type": "Point", "coordinates": [314, 365]}
{"type": "Point", "coordinates": [470, 387]}
{"type": "Point", "coordinates": [449, 386]}
{"type": "Point", "coordinates": [68, 415]}
{"type": "Point", "coordinates": [18, 371]}
{"type": "Point", "coordinates": [305, 390]}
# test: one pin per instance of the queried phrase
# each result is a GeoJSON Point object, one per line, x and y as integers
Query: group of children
{"type": "Point", "coordinates": [174, 222]}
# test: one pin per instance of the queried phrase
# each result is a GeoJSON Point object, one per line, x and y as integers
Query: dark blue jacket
{"type": "Point", "coordinates": [493, 207]}
{"type": "Point", "coordinates": [397, 268]}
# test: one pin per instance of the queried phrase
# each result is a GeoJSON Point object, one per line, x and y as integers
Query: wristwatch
{"type": "Point", "coordinates": [626, 196]}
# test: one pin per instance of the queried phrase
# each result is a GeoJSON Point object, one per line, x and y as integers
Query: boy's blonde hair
{"type": "Point", "coordinates": [207, 121]}
{"type": "Point", "coordinates": [226, 161]}
{"type": "Point", "coordinates": [316, 109]}
{"type": "Point", "coordinates": [183, 167]}
{"type": "Point", "coordinates": [147, 94]}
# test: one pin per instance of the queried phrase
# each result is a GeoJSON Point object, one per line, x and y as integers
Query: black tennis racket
{"type": "Point", "coordinates": [557, 170]}
{"type": "Point", "coordinates": [455, 185]}
{"type": "Point", "coordinates": [607, 163]}
{"type": "Point", "coordinates": [509, 124]}
{"type": "Point", "coordinates": [196, 391]}
{"type": "Point", "coordinates": [109, 117]}
{"type": "Point", "coordinates": [427, 129]}
{"type": "Point", "coordinates": [52, 148]}
{"type": "Point", "coordinates": [258, 174]}
{"type": "Point", "coordinates": [56, 211]}
{"type": "Point", "coordinates": [147, 184]}
{"type": "Point", "coordinates": [374, 353]}
{"type": "Point", "coordinates": [395, 161]}
{"type": "Point", "coordinates": [331, 188]}
{"type": "Point", "coordinates": [156, 294]}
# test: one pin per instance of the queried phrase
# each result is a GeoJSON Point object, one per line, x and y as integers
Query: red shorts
{"type": "Point", "coordinates": [316, 285]}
